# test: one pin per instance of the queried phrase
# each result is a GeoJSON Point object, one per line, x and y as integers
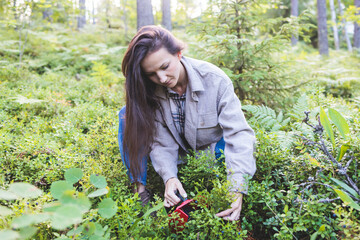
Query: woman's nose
{"type": "Point", "coordinates": [162, 77]}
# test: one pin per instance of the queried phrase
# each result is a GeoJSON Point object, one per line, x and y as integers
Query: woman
{"type": "Point", "coordinates": [175, 104]}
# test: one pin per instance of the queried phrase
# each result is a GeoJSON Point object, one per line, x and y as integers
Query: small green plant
{"type": "Point", "coordinates": [102, 73]}
{"type": "Point", "coordinates": [69, 212]}
{"type": "Point", "coordinates": [200, 170]}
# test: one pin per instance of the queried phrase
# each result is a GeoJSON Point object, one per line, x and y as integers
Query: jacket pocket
{"type": "Point", "coordinates": [208, 129]}
{"type": "Point", "coordinates": [208, 120]}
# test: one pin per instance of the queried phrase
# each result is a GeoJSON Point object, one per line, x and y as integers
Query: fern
{"type": "Point", "coordinates": [285, 139]}
{"type": "Point", "coordinates": [303, 130]}
{"type": "Point", "coordinates": [299, 108]}
{"type": "Point", "coordinates": [266, 117]}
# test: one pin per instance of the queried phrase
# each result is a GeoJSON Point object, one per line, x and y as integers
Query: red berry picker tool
{"type": "Point", "coordinates": [181, 214]}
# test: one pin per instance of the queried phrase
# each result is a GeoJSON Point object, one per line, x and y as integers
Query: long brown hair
{"type": "Point", "coordinates": [141, 102]}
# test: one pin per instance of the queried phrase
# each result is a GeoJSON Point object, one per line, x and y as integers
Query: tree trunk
{"type": "Point", "coordinates": [334, 25]}
{"type": "Point", "coordinates": [93, 12]}
{"type": "Point", "coordinates": [295, 13]}
{"type": "Point", "coordinates": [357, 28]}
{"type": "Point", "coordinates": [107, 9]}
{"type": "Point", "coordinates": [346, 34]}
{"type": "Point", "coordinates": [144, 13]}
{"type": "Point", "coordinates": [14, 10]}
{"type": "Point", "coordinates": [47, 13]}
{"type": "Point", "coordinates": [81, 19]}
{"type": "Point", "coordinates": [124, 16]}
{"type": "Point", "coordinates": [322, 28]}
{"type": "Point", "coordinates": [166, 14]}
{"type": "Point", "coordinates": [15, 14]}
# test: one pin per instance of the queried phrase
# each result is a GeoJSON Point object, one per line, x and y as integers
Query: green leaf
{"type": "Point", "coordinates": [286, 208]}
{"type": "Point", "coordinates": [95, 237]}
{"type": "Point", "coordinates": [29, 219]}
{"type": "Point", "coordinates": [68, 197]}
{"type": "Point", "coordinates": [98, 181]}
{"type": "Point", "coordinates": [9, 235]}
{"type": "Point", "coordinates": [4, 211]}
{"type": "Point", "coordinates": [6, 195]}
{"type": "Point", "coordinates": [99, 192]}
{"type": "Point", "coordinates": [314, 236]}
{"type": "Point", "coordinates": [340, 123]}
{"type": "Point", "coordinates": [322, 228]}
{"type": "Point", "coordinates": [52, 207]}
{"type": "Point", "coordinates": [107, 208]}
{"type": "Point", "coordinates": [342, 152]}
{"type": "Point", "coordinates": [25, 190]}
{"type": "Point", "coordinates": [99, 230]}
{"type": "Point", "coordinates": [280, 116]}
{"type": "Point", "coordinates": [156, 208]}
{"type": "Point", "coordinates": [27, 232]}
{"type": "Point", "coordinates": [347, 200]}
{"type": "Point", "coordinates": [89, 228]}
{"type": "Point", "coordinates": [58, 188]}
{"type": "Point", "coordinates": [327, 126]}
{"type": "Point", "coordinates": [66, 216]}
{"type": "Point", "coordinates": [76, 231]}
{"type": "Point", "coordinates": [73, 175]}
{"type": "Point", "coordinates": [81, 200]}
{"type": "Point", "coordinates": [346, 187]}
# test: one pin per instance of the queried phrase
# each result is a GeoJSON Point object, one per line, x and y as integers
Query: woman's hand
{"type": "Point", "coordinates": [233, 213]}
{"type": "Point", "coordinates": [171, 186]}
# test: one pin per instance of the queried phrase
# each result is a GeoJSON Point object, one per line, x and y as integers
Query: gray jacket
{"type": "Point", "coordinates": [212, 111]}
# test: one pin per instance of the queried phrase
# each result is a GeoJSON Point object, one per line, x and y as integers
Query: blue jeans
{"type": "Point", "coordinates": [219, 148]}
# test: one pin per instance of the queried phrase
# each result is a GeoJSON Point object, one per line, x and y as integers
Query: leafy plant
{"type": "Point", "coordinates": [266, 117]}
{"type": "Point", "coordinates": [66, 212]}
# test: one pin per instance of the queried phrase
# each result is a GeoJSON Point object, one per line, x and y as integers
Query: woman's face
{"type": "Point", "coordinates": [163, 68]}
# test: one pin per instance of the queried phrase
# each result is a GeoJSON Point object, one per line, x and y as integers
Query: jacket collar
{"type": "Point", "coordinates": [194, 83]}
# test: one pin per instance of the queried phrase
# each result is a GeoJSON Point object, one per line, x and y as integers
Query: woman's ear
{"type": "Point", "coordinates": [179, 54]}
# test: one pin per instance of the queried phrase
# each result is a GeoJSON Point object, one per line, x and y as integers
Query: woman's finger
{"type": "Point", "coordinates": [171, 196]}
{"type": "Point", "coordinates": [225, 213]}
{"type": "Point", "coordinates": [181, 190]}
{"type": "Point", "coordinates": [171, 186]}
{"type": "Point", "coordinates": [235, 215]}
{"type": "Point", "coordinates": [171, 202]}
{"type": "Point", "coordinates": [166, 203]}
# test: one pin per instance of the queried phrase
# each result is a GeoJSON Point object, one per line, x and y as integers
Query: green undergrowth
{"type": "Point", "coordinates": [58, 112]}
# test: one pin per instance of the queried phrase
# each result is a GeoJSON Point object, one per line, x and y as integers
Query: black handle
{"type": "Point", "coordinates": [179, 196]}
{"type": "Point", "coordinates": [169, 210]}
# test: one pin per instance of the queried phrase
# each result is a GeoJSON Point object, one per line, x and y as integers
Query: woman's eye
{"type": "Point", "coordinates": [165, 67]}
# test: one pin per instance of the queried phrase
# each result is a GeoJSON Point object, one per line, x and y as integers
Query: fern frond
{"type": "Point", "coordinates": [285, 139]}
{"type": "Point", "coordinates": [304, 130]}
{"type": "Point", "coordinates": [266, 117]}
{"type": "Point", "coordinates": [299, 108]}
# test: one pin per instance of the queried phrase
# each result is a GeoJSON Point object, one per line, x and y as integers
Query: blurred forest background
{"type": "Point", "coordinates": [295, 66]}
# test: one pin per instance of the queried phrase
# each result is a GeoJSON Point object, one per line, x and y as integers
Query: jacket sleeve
{"type": "Point", "coordinates": [239, 140]}
{"type": "Point", "coordinates": [164, 152]}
